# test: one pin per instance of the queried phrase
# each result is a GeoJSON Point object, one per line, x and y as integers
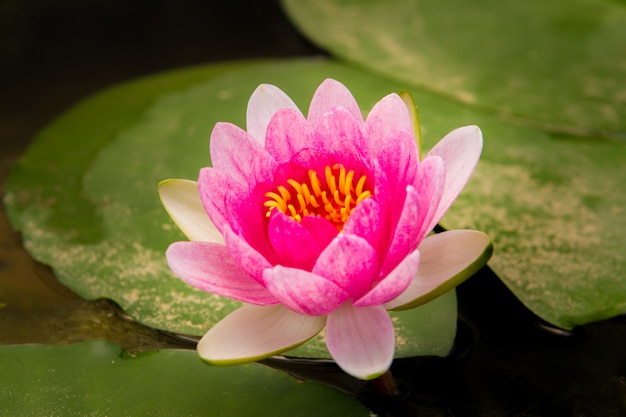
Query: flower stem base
{"type": "Point", "coordinates": [385, 385]}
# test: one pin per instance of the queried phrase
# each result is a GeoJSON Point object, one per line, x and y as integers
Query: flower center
{"type": "Point", "coordinates": [333, 200]}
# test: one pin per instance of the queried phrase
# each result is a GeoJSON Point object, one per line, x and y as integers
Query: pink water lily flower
{"type": "Point", "coordinates": [322, 221]}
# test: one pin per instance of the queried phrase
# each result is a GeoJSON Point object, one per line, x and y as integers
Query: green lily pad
{"type": "Point", "coordinates": [553, 205]}
{"type": "Point", "coordinates": [92, 212]}
{"type": "Point", "coordinates": [97, 378]}
{"type": "Point", "coordinates": [558, 65]}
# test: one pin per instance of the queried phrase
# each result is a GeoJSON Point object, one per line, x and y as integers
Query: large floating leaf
{"type": "Point", "coordinates": [558, 64]}
{"type": "Point", "coordinates": [553, 205]}
{"type": "Point", "coordinates": [97, 378]}
{"type": "Point", "coordinates": [85, 194]}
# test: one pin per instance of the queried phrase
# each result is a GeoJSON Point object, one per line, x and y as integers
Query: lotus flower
{"type": "Point", "coordinates": [322, 221]}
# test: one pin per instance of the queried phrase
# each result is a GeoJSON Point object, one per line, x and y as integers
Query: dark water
{"type": "Point", "coordinates": [506, 362]}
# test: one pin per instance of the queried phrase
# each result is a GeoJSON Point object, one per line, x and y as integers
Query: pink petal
{"type": "Point", "coordinates": [233, 149]}
{"type": "Point", "coordinates": [287, 133]}
{"type": "Point", "coordinates": [329, 95]}
{"type": "Point", "coordinates": [298, 167]}
{"type": "Point", "coordinates": [382, 193]}
{"type": "Point", "coordinates": [209, 267]}
{"type": "Point", "coordinates": [407, 98]}
{"type": "Point", "coordinates": [447, 259]}
{"type": "Point", "coordinates": [431, 177]}
{"type": "Point", "coordinates": [361, 340]}
{"type": "Point", "coordinates": [460, 150]}
{"type": "Point", "coordinates": [248, 220]}
{"type": "Point", "coordinates": [320, 229]}
{"type": "Point", "coordinates": [404, 239]}
{"type": "Point", "coordinates": [252, 333]}
{"type": "Point", "coordinates": [304, 292]}
{"type": "Point", "coordinates": [365, 221]}
{"type": "Point", "coordinates": [388, 115]}
{"type": "Point", "coordinates": [350, 262]}
{"type": "Point", "coordinates": [337, 124]}
{"type": "Point", "coordinates": [394, 284]}
{"type": "Point", "coordinates": [346, 153]}
{"type": "Point", "coordinates": [293, 245]}
{"type": "Point", "coordinates": [398, 159]}
{"type": "Point", "coordinates": [248, 259]}
{"type": "Point", "coordinates": [264, 102]}
{"type": "Point", "coordinates": [220, 196]}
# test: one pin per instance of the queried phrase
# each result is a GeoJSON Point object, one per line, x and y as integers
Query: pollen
{"type": "Point", "coordinates": [332, 197]}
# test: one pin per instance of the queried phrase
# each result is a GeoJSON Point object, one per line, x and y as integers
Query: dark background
{"type": "Point", "coordinates": [55, 52]}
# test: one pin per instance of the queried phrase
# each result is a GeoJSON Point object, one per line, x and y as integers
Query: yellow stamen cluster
{"type": "Point", "coordinates": [333, 200]}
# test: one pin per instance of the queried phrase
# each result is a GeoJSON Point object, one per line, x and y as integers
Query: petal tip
{"type": "Point", "coordinates": [253, 333]}
{"type": "Point", "coordinates": [448, 259]}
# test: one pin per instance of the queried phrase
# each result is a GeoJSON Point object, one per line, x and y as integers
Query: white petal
{"type": "Point", "coordinates": [361, 340]}
{"type": "Point", "coordinates": [447, 259]}
{"type": "Point", "coordinates": [182, 202]}
{"type": "Point", "coordinates": [460, 151]}
{"type": "Point", "coordinates": [252, 333]}
{"type": "Point", "coordinates": [266, 100]}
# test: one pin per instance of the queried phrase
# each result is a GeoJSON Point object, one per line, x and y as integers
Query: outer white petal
{"type": "Point", "coordinates": [447, 259]}
{"type": "Point", "coordinates": [361, 340]}
{"type": "Point", "coordinates": [182, 202]}
{"type": "Point", "coordinates": [266, 100]}
{"type": "Point", "coordinates": [460, 151]}
{"type": "Point", "coordinates": [252, 333]}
